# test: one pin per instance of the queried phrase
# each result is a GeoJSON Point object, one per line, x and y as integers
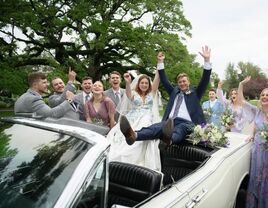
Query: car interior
{"type": "Point", "coordinates": [129, 184]}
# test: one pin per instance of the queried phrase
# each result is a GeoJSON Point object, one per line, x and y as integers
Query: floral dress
{"type": "Point", "coordinates": [240, 113]}
{"type": "Point", "coordinates": [143, 153]}
{"type": "Point", "coordinates": [258, 183]}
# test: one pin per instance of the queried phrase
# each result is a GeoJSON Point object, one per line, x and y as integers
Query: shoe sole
{"type": "Point", "coordinates": [168, 128]}
{"type": "Point", "coordinates": [124, 127]}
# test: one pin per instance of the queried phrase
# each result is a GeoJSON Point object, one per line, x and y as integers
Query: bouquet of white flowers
{"type": "Point", "coordinates": [227, 118]}
{"type": "Point", "coordinates": [264, 135]}
{"type": "Point", "coordinates": [207, 113]}
{"type": "Point", "coordinates": [209, 134]}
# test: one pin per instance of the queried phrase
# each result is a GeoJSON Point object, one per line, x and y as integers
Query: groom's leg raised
{"type": "Point", "coordinates": [126, 129]}
{"type": "Point", "coordinates": [167, 131]}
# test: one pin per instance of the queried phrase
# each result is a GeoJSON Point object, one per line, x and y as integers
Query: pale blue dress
{"type": "Point", "coordinates": [143, 153]}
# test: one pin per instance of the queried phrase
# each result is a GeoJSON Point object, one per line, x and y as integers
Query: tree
{"type": "Point", "coordinates": [231, 77]}
{"type": "Point", "coordinates": [94, 37]}
{"type": "Point", "coordinates": [254, 87]}
{"type": "Point", "coordinates": [249, 69]}
{"type": "Point", "coordinates": [235, 75]}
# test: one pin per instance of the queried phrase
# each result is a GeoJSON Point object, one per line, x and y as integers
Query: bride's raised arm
{"type": "Point", "coordinates": [156, 81]}
{"type": "Point", "coordinates": [127, 78]}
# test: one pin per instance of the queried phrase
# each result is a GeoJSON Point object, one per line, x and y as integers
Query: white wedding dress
{"type": "Point", "coordinates": [143, 153]}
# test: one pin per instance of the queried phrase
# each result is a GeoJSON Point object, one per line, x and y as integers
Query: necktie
{"type": "Point", "coordinates": [87, 97]}
{"type": "Point", "coordinates": [117, 98]}
{"type": "Point", "coordinates": [178, 104]}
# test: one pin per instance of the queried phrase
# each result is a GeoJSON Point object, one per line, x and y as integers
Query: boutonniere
{"type": "Point", "coordinates": [188, 92]}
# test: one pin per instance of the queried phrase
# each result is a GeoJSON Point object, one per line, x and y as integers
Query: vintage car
{"type": "Point", "coordinates": [63, 163]}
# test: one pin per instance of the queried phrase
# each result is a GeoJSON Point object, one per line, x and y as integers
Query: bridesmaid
{"type": "Point", "coordinates": [100, 109]}
{"type": "Point", "coordinates": [258, 182]}
{"type": "Point", "coordinates": [236, 107]}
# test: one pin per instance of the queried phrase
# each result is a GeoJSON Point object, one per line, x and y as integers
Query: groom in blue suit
{"type": "Point", "coordinates": [183, 110]}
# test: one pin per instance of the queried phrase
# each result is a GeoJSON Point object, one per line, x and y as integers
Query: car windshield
{"type": "Point", "coordinates": [36, 164]}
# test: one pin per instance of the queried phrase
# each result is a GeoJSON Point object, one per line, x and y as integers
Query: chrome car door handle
{"type": "Point", "coordinates": [196, 199]}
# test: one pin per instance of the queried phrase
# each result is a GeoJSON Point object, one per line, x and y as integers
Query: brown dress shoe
{"type": "Point", "coordinates": [127, 130]}
{"type": "Point", "coordinates": [167, 131]}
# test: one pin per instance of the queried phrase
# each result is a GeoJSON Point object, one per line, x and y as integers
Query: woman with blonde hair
{"type": "Point", "coordinates": [257, 193]}
{"type": "Point", "coordinates": [100, 109]}
{"type": "Point", "coordinates": [235, 105]}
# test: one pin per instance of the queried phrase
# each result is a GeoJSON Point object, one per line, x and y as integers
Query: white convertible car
{"type": "Point", "coordinates": [61, 163]}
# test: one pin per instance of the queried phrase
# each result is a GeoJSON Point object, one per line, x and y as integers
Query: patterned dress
{"type": "Point", "coordinates": [143, 153]}
{"type": "Point", "coordinates": [240, 113]}
{"type": "Point", "coordinates": [258, 183]}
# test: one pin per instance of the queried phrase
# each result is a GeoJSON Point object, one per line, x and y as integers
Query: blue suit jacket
{"type": "Point", "coordinates": [217, 110]}
{"type": "Point", "coordinates": [192, 100]}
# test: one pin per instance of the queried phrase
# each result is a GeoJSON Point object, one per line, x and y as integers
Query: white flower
{"type": "Point", "coordinates": [210, 134]}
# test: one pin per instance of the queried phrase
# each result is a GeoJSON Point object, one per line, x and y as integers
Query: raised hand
{"type": "Point", "coordinates": [205, 53]}
{"type": "Point", "coordinates": [220, 84]}
{"type": "Point", "coordinates": [160, 57]}
{"type": "Point", "coordinates": [71, 75]}
{"type": "Point", "coordinates": [127, 77]}
{"type": "Point", "coordinates": [246, 80]}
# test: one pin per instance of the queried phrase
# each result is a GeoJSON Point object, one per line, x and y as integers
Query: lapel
{"type": "Point", "coordinates": [112, 95]}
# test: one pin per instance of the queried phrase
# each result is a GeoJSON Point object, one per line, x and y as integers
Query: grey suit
{"type": "Point", "coordinates": [32, 102]}
{"type": "Point", "coordinates": [58, 98]}
{"type": "Point", "coordinates": [110, 93]}
{"type": "Point", "coordinates": [79, 99]}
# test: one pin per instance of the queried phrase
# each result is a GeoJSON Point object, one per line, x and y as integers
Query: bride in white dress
{"type": "Point", "coordinates": [142, 95]}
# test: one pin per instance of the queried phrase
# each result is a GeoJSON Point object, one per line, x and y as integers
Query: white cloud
{"type": "Point", "coordinates": [235, 31]}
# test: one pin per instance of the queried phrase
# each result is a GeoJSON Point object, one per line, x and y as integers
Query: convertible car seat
{"type": "Point", "coordinates": [179, 160]}
{"type": "Point", "coordinates": [130, 184]}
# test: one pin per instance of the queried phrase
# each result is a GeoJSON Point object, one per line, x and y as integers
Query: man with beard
{"type": "Point", "coordinates": [60, 91]}
{"type": "Point", "coordinates": [32, 101]}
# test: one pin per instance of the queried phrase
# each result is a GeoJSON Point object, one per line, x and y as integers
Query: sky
{"type": "Point", "coordinates": [235, 30]}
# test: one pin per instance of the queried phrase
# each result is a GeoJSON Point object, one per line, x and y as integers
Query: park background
{"type": "Point", "coordinates": [96, 37]}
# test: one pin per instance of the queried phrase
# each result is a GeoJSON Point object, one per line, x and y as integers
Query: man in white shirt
{"type": "Point", "coordinates": [183, 110]}
{"type": "Point", "coordinates": [82, 97]}
{"type": "Point", "coordinates": [115, 92]}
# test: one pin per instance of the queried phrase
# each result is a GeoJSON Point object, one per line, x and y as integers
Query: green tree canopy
{"type": "Point", "coordinates": [243, 69]}
{"type": "Point", "coordinates": [94, 37]}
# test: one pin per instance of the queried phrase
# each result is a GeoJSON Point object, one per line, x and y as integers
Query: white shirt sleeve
{"type": "Point", "coordinates": [207, 66]}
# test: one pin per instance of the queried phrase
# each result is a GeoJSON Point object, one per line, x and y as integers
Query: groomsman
{"type": "Point", "coordinates": [32, 101]}
{"type": "Point", "coordinates": [60, 91]}
{"type": "Point", "coordinates": [183, 110]}
{"type": "Point", "coordinates": [214, 107]}
{"type": "Point", "coordinates": [115, 92]}
{"type": "Point", "coordinates": [82, 97]}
